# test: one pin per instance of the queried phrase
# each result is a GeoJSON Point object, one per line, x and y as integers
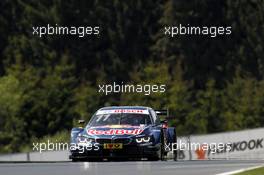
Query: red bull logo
{"type": "Point", "coordinates": [114, 132]}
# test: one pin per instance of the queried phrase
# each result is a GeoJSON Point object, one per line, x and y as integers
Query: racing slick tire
{"type": "Point", "coordinates": [75, 160]}
{"type": "Point", "coordinates": [171, 141]}
{"type": "Point", "coordinates": [160, 155]}
{"type": "Point", "coordinates": [175, 150]}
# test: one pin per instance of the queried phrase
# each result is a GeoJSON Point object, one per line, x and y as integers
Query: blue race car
{"type": "Point", "coordinates": [123, 132]}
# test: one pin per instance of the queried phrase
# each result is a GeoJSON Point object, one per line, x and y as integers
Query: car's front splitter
{"type": "Point", "coordinates": [128, 151]}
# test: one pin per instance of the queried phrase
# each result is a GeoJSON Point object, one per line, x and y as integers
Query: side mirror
{"type": "Point", "coordinates": [164, 123]}
{"type": "Point", "coordinates": [81, 123]}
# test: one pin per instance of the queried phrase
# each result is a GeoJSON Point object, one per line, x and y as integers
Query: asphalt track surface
{"type": "Point", "coordinates": [128, 168]}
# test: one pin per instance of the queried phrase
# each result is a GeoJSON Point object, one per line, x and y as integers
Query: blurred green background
{"type": "Point", "coordinates": [47, 84]}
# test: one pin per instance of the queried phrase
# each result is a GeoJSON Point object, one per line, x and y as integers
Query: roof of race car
{"type": "Point", "coordinates": [125, 107]}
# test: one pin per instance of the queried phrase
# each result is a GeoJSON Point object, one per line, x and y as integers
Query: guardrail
{"type": "Point", "coordinates": [36, 156]}
{"type": "Point", "coordinates": [246, 144]}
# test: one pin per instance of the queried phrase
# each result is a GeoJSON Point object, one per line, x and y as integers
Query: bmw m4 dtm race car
{"type": "Point", "coordinates": [123, 132]}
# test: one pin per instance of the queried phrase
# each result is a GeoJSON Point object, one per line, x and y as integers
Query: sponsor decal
{"type": "Point", "coordinates": [115, 126]}
{"type": "Point", "coordinates": [242, 146]}
{"type": "Point", "coordinates": [249, 145]}
{"type": "Point", "coordinates": [113, 146]}
{"type": "Point", "coordinates": [114, 132]}
{"type": "Point", "coordinates": [132, 111]}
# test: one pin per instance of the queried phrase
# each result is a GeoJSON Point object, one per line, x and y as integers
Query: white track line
{"type": "Point", "coordinates": [240, 170]}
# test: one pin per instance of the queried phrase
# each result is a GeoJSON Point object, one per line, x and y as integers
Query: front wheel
{"type": "Point", "coordinates": [75, 160]}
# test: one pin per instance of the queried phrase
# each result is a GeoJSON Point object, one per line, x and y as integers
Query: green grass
{"type": "Point", "coordinates": [258, 171]}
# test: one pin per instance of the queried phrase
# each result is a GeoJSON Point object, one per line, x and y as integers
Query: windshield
{"type": "Point", "coordinates": [120, 119]}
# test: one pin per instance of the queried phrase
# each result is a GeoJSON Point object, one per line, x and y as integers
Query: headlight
{"type": "Point", "coordinates": [82, 139]}
{"type": "Point", "coordinates": [145, 139]}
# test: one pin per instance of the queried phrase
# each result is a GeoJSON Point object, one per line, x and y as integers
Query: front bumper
{"type": "Point", "coordinates": [128, 151]}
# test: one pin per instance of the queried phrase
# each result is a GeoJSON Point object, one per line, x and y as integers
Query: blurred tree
{"type": "Point", "coordinates": [11, 101]}
{"type": "Point", "coordinates": [179, 97]}
{"type": "Point", "coordinates": [241, 104]}
{"type": "Point", "coordinates": [47, 83]}
{"type": "Point", "coordinates": [151, 74]}
{"type": "Point", "coordinates": [87, 101]}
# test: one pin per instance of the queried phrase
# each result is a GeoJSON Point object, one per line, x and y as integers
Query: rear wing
{"type": "Point", "coordinates": [164, 112]}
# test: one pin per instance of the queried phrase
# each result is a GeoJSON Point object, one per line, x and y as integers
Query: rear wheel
{"type": "Point", "coordinates": [162, 151]}
{"type": "Point", "coordinates": [160, 154]}
{"type": "Point", "coordinates": [175, 150]}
